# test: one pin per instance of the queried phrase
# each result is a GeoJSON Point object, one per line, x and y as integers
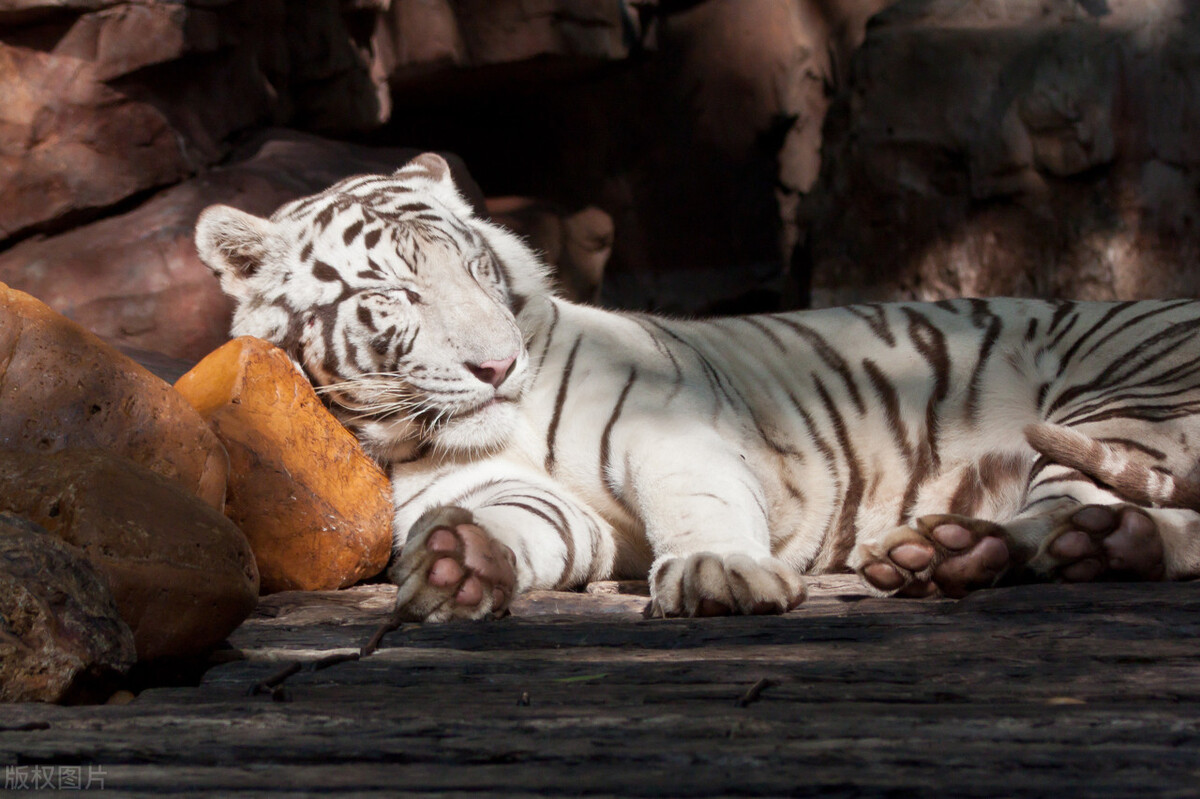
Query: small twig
{"type": "Point", "coordinates": [273, 685]}
{"type": "Point", "coordinates": [752, 695]}
{"type": "Point", "coordinates": [333, 660]}
{"type": "Point", "coordinates": [389, 624]}
{"type": "Point", "coordinates": [268, 685]}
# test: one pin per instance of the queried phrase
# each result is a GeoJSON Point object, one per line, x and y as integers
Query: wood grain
{"type": "Point", "coordinates": [1028, 691]}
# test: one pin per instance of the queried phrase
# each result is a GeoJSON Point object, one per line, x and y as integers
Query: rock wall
{"type": "Point", "coordinates": [995, 147]}
{"type": "Point", "coordinates": [680, 147]}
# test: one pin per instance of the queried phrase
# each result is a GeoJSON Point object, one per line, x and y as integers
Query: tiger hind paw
{"type": "Point", "coordinates": [938, 555]}
{"type": "Point", "coordinates": [452, 568]}
{"type": "Point", "coordinates": [1113, 542]}
{"type": "Point", "coordinates": [707, 584]}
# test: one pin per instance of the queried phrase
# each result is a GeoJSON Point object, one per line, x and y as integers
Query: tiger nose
{"type": "Point", "coordinates": [493, 372]}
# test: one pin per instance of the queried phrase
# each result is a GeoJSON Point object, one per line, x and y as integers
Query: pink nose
{"type": "Point", "coordinates": [493, 372]}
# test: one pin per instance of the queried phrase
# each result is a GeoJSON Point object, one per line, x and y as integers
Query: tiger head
{"type": "Point", "coordinates": [396, 300]}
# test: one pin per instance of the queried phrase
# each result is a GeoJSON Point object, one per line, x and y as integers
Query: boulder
{"type": "Point", "coordinates": [181, 573]}
{"type": "Point", "coordinates": [316, 510]}
{"type": "Point", "coordinates": [413, 39]}
{"type": "Point", "coordinates": [1013, 147]}
{"type": "Point", "coordinates": [136, 279]}
{"type": "Point", "coordinates": [59, 626]}
{"type": "Point", "coordinates": [97, 107]}
{"type": "Point", "coordinates": [64, 388]}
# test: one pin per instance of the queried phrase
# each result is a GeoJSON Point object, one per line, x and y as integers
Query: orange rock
{"type": "Point", "coordinates": [64, 388]}
{"type": "Point", "coordinates": [316, 509]}
{"type": "Point", "coordinates": [182, 574]}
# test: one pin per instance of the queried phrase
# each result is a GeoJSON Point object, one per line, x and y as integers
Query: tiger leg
{"type": "Point", "coordinates": [508, 536]}
{"type": "Point", "coordinates": [705, 521]}
{"type": "Point", "coordinates": [450, 567]}
{"type": "Point", "coordinates": [1070, 530]}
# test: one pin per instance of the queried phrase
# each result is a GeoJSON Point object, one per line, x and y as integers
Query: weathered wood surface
{"type": "Point", "coordinates": [1032, 691]}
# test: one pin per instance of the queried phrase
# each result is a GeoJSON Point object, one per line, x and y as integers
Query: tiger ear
{"type": "Point", "coordinates": [433, 165]}
{"type": "Point", "coordinates": [235, 245]}
{"type": "Point", "coordinates": [438, 176]}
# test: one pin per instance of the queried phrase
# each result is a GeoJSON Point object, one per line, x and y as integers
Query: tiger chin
{"type": "Point", "coordinates": [933, 449]}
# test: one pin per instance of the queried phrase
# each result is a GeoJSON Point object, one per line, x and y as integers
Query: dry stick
{"type": "Point", "coordinates": [275, 680]}
{"type": "Point", "coordinates": [389, 624]}
{"type": "Point", "coordinates": [754, 692]}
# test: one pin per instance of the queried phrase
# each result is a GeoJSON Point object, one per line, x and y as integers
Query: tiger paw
{"type": "Point", "coordinates": [937, 555]}
{"type": "Point", "coordinates": [452, 568]}
{"type": "Point", "coordinates": [1095, 542]}
{"type": "Point", "coordinates": [707, 584]}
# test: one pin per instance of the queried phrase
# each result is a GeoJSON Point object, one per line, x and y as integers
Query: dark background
{"type": "Point", "coordinates": [710, 156]}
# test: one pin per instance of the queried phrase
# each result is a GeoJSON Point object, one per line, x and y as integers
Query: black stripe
{"type": "Point", "coordinates": [847, 527]}
{"type": "Point", "coordinates": [324, 272]}
{"type": "Point", "coordinates": [1161, 309]}
{"type": "Point", "coordinates": [351, 233]}
{"type": "Point", "coordinates": [559, 399]}
{"type": "Point", "coordinates": [606, 440]}
{"type": "Point", "coordinates": [716, 382]}
{"type": "Point", "coordinates": [766, 331]}
{"type": "Point", "coordinates": [549, 335]}
{"type": "Point", "coordinates": [826, 452]}
{"type": "Point", "coordinates": [560, 527]}
{"type": "Point", "coordinates": [981, 311]}
{"type": "Point", "coordinates": [665, 351]}
{"type": "Point", "coordinates": [891, 407]}
{"type": "Point", "coordinates": [1127, 365]}
{"type": "Point", "coordinates": [1134, 445]}
{"type": "Point", "coordinates": [1061, 309]}
{"type": "Point", "coordinates": [1050, 498]}
{"type": "Point", "coordinates": [876, 318]}
{"type": "Point", "coordinates": [1069, 355]}
{"type": "Point", "coordinates": [829, 355]}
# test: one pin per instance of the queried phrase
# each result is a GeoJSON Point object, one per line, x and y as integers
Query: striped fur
{"type": "Point", "coordinates": [723, 457]}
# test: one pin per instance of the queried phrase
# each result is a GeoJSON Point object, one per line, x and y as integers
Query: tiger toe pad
{"type": "Point", "coordinates": [1103, 542]}
{"type": "Point", "coordinates": [452, 568]}
{"type": "Point", "coordinates": [937, 555]}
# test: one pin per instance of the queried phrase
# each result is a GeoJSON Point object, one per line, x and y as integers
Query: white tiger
{"type": "Point", "coordinates": [535, 443]}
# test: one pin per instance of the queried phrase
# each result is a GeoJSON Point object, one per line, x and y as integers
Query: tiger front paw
{"type": "Point", "coordinates": [707, 584]}
{"type": "Point", "coordinates": [452, 568]}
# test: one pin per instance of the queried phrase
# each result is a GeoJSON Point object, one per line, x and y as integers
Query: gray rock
{"type": "Point", "coordinates": [59, 626]}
